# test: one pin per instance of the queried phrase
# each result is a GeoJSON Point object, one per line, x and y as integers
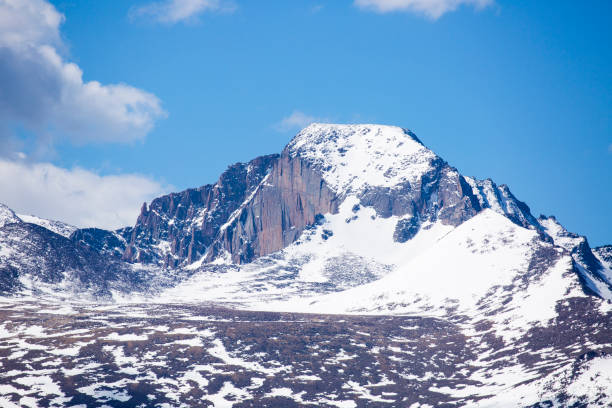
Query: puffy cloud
{"type": "Point", "coordinates": [174, 11]}
{"type": "Point", "coordinates": [24, 22]}
{"type": "Point", "coordinates": [297, 120]}
{"type": "Point", "coordinates": [46, 94]}
{"type": "Point", "coordinates": [76, 196]}
{"type": "Point", "coordinates": [430, 8]}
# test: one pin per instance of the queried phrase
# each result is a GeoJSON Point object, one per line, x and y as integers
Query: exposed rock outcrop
{"type": "Point", "coordinates": [109, 243]}
{"type": "Point", "coordinates": [179, 227]}
{"type": "Point", "coordinates": [287, 201]}
{"type": "Point", "coordinates": [591, 270]}
{"type": "Point", "coordinates": [604, 253]}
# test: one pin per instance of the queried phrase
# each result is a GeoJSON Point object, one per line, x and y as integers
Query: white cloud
{"type": "Point", "coordinates": [77, 196]}
{"type": "Point", "coordinates": [46, 94]}
{"type": "Point", "coordinates": [174, 11]}
{"type": "Point", "coordinates": [430, 8]}
{"type": "Point", "coordinates": [29, 21]}
{"type": "Point", "coordinates": [296, 121]}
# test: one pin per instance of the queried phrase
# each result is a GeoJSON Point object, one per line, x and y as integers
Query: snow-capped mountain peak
{"type": "Point", "coordinates": [7, 216]}
{"type": "Point", "coordinates": [352, 157]}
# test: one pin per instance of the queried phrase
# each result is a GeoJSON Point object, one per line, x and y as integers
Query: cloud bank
{"type": "Point", "coordinates": [77, 196]}
{"type": "Point", "coordinates": [431, 8]}
{"type": "Point", "coordinates": [296, 121]}
{"type": "Point", "coordinates": [45, 94]}
{"type": "Point", "coordinates": [174, 11]}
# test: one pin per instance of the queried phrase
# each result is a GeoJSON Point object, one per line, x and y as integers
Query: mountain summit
{"type": "Point", "coordinates": [352, 158]}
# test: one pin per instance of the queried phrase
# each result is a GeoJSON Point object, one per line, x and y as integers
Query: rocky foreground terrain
{"type": "Point", "coordinates": [187, 355]}
{"type": "Point", "coordinates": [355, 268]}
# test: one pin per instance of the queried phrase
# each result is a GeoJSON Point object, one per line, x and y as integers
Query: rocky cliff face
{"type": "Point", "coordinates": [178, 228]}
{"type": "Point", "coordinates": [288, 200]}
{"type": "Point", "coordinates": [604, 253]}
{"type": "Point", "coordinates": [300, 188]}
{"type": "Point", "coordinates": [501, 200]}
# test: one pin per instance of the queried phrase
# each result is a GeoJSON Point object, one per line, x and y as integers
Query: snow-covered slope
{"type": "Point", "coordinates": [604, 255]}
{"type": "Point", "coordinates": [353, 157]}
{"type": "Point", "coordinates": [58, 227]}
{"type": "Point", "coordinates": [469, 270]}
{"type": "Point", "coordinates": [595, 274]}
{"type": "Point", "coordinates": [7, 216]}
{"type": "Point", "coordinates": [343, 250]}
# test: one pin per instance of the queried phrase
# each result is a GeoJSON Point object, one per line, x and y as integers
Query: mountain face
{"type": "Point", "coordinates": [308, 207]}
{"type": "Point", "coordinates": [261, 207]}
{"type": "Point", "coordinates": [359, 220]}
{"type": "Point", "coordinates": [180, 227]}
{"type": "Point", "coordinates": [35, 258]}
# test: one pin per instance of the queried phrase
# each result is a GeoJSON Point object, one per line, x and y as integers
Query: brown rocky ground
{"type": "Point", "coordinates": [205, 355]}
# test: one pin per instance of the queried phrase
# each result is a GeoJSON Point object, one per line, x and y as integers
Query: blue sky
{"type": "Point", "coordinates": [518, 91]}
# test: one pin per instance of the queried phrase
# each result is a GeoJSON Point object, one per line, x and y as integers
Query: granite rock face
{"type": "Point", "coordinates": [179, 228]}
{"type": "Point", "coordinates": [440, 194]}
{"type": "Point", "coordinates": [287, 201]}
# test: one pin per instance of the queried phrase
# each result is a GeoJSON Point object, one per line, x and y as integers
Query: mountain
{"type": "Point", "coordinates": [37, 257]}
{"type": "Point", "coordinates": [261, 207]}
{"type": "Point", "coordinates": [348, 220]}
{"type": "Point", "coordinates": [273, 204]}
{"type": "Point", "coordinates": [58, 227]}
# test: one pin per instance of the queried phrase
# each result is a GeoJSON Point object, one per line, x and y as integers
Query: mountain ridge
{"type": "Point", "coordinates": [258, 208]}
